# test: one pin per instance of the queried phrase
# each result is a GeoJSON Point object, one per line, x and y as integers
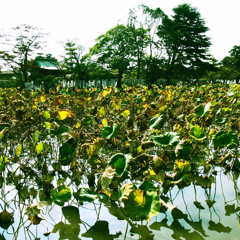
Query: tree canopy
{"type": "Point", "coordinates": [115, 50]}
{"type": "Point", "coordinates": [152, 46]}
{"type": "Point", "coordinates": [23, 45]}
{"type": "Point", "coordinates": [185, 41]}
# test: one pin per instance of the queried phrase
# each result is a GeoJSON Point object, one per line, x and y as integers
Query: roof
{"type": "Point", "coordinates": [44, 64]}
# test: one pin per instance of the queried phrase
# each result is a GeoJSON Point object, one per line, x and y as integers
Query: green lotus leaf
{"type": "Point", "coordinates": [201, 110]}
{"type": "Point", "coordinates": [67, 231]}
{"type": "Point", "coordinates": [197, 132]}
{"type": "Point", "coordinates": [67, 152]}
{"type": "Point", "coordinates": [169, 138]}
{"type": "Point", "coordinates": [141, 204]}
{"type": "Point", "coordinates": [218, 227]}
{"type": "Point", "coordinates": [3, 162]}
{"type": "Point", "coordinates": [109, 132]}
{"type": "Point", "coordinates": [60, 130]}
{"type": "Point", "coordinates": [119, 163]}
{"type": "Point", "coordinates": [156, 122]}
{"type": "Point", "coordinates": [61, 195]}
{"type": "Point", "coordinates": [183, 150]}
{"type": "Point", "coordinates": [85, 195]}
{"type": "Point", "coordinates": [225, 139]}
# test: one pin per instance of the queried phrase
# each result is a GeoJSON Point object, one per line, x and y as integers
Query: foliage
{"type": "Point", "coordinates": [75, 63]}
{"type": "Point", "coordinates": [25, 40]}
{"type": "Point", "coordinates": [118, 48]}
{"type": "Point", "coordinates": [230, 65]}
{"type": "Point", "coordinates": [185, 41]}
{"type": "Point", "coordinates": [126, 149]}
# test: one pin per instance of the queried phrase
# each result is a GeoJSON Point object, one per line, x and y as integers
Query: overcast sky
{"type": "Point", "coordinates": [85, 20]}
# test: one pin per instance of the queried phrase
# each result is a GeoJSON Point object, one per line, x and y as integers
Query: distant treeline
{"type": "Point", "coordinates": [151, 48]}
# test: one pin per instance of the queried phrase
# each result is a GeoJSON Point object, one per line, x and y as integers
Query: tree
{"type": "Point", "coordinates": [230, 65]}
{"type": "Point", "coordinates": [212, 74]}
{"type": "Point", "coordinates": [150, 57]}
{"type": "Point", "coordinates": [23, 44]}
{"type": "Point", "coordinates": [75, 62]}
{"type": "Point", "coordinates": [235, 55]}
{"type": "Point", "coordinates": [139, 41]}
{"type": "Point", "coordinates": [153, 70]}
{"type": "Point", "coordinates": [98, 72]}
{"type": "Point", "coordinates": [115, 50]}
{"type": "Point", "coordinates": [185, 42]}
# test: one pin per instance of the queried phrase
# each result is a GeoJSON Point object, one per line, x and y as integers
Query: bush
{"type": "Point", "coordinates": [9, 83]}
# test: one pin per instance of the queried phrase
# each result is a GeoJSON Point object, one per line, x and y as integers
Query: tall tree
{"type": "Point", "coordinates": [75, 62]}
{"type": "Point", "coordinates": [116, 51]}
{"type": "Point", "coordinates": [184, 39]}
{"type": "Point", "coordinates": [22, 45]}
{"type": "Point", "coordinates": [140, 41]}
{"type": "Point", "coordinates": [230, 65]}
{"type": "Point", "coordinates": [152, 50]}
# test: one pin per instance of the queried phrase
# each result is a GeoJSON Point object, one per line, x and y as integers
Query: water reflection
{"type": "Point", "coordinates": [198, 211]}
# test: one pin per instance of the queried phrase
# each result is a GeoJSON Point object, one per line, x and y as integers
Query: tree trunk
{"type": "Point", "coordinates": [138, 68]}
{"type": "Point", "coordinates": [119, 80]}
{"type": "Point", "coordinates": [25, 67]}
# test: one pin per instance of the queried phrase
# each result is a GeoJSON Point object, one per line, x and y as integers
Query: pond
{"type": "Point", "coordinates": [208, 209]}
{"type": "Point", "coordinates": [131, 164]}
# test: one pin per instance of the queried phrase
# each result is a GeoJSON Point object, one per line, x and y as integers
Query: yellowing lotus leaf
{"type": "Point", "coordinates": [169, 95]}
{"type": "Point", "coordinates": [47, 125]}
{"type": "Point", "coordinates": [39, 147]}
{"type": "Point", "coordinates": [46, 114]}
{"type": "Point", "coordinates": [125, 113]}
{"type": "Point", "coordinates": [35, 220]}
{"type": "Point", "coordinates": [18, 150]}
{"type": "Point", "coordinates": [42, 99]}
{"type": "Point", "coordinates": [63, 114]}
{"type": "Point", "coordinates": [162, 108]}
{"type": "Point", "coordinates": [116, 105]}
{"type": "Point", "coordinates": [139, 149]}
{"type": "Point", "coordinates": [152, 172]}
{"type": "Point", "coordinates": [77, 125]}
{"type": "Point", "coordinates": [1, 134]}
{"type": "Point", "coordinates": [182, 163]}
{"type": "Point", "coordinates": [91, 149]}
{"type": "Point", "coordinates": [105, 122]}
{"type": "Point", "coordinates": [106, 92]}
{"type": "Point", "coordinates": [138, 197]}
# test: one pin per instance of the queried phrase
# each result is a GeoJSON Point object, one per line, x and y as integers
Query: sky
{"type": "Point", "coordinates": [84, 20]}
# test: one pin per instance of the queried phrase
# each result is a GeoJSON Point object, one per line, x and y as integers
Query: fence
{"type": "Point", "coordinates": [101, 83]}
